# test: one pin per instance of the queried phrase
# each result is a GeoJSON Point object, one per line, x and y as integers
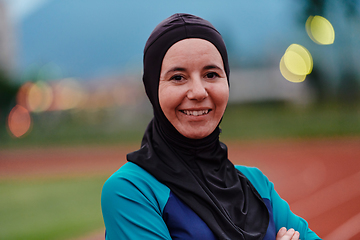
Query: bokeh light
{"type": "Point", "coordinates": [40, 97]}
{"type": "Point", "coordinates": [296, 63]}
{"type": "Point", "coordinates": [22, 94]}
{"type": "Point", "coordinates": [320, 30]}
{"type": "Point", "coordinates": [69, 94]}
{"type": "Point", "coordinates": [298, 60]}
{"type": "Point", "coordinates": [19, 121]}
{"type": "Point", "coordinates": [289, 75]}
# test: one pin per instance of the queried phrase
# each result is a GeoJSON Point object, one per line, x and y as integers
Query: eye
{"type": "Point", "coordinates": [212, 75]}
{"type": "Point", "coordinates": [177, 78]}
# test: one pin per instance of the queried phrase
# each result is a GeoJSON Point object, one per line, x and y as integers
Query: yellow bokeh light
{"type": "Point", "coordinates": [39, 97]}
{"type": "Point", "coordinates": [289, 75]}
{"type": "Point", "coordinates": [320, 30]}
{"type": "Point", "coordinates": [298, 60]}
{"type": "Point", "coordinates": [296, 63]}
{"type": "Point", "coordinates": [19, 121]}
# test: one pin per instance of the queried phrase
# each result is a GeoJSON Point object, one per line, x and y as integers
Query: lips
{"type": "Point", "coordinates": [195, 113]}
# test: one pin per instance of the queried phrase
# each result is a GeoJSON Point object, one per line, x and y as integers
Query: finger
{"type": "Point", "coordinates": [296, 236]}
{"type": "Point", "coordinates": [281, 233]}
{"type": "Point", "coordinates": [288, 235]}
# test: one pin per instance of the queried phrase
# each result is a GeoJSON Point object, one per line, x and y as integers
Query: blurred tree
{"type": "Point", "coordinates": [313, 7]}
{"type": "Point", "coordinates": [317, 83]}
{"type": "Point", "coordinates": [7, 96]}
{"type": "Point", "coordinates": [348, 89]}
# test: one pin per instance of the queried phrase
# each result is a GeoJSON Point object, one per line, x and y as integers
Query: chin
{"type": "Point", "coordinates": [195, 135]}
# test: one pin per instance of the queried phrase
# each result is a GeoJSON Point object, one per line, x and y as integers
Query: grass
{"type": "Point", "coordinates": [50, 209]}
{"type": "Point", "coordinates": [266, 121]}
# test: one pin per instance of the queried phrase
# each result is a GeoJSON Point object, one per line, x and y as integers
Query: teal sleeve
{"type": "Point", "coordinates": [132, 203]}
{"type": "Point", "coordinates": [282, 214]}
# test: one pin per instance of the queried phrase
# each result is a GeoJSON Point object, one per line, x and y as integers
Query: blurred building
{"type": "Point", "coordinates": [267, 84]}
{"type": "Point", "coordinates": [7, 41]}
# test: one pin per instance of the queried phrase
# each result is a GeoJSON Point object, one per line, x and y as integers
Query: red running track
{"type": "Point", "coordinates": [320, 179]}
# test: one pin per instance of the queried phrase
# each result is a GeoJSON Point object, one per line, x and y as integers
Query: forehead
{"type": "Point", "coordinates": [192, 49]}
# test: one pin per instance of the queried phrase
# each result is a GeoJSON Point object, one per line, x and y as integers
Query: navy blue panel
{"type": "Point", "coordinates": [183, 223]}
{"type": "Point", "coordinates": [271, 231]}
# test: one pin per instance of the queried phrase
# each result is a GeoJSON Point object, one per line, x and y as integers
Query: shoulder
{"type": "Point", "coordinates": [132, 204]}
{"type": "Point", "coordinates": [257, 179]}
{"type": "Point", "coordinates": [131, 181]}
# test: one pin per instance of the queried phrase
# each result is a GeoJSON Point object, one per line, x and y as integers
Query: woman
{"type": "Point", "coordinates": [180, 183]}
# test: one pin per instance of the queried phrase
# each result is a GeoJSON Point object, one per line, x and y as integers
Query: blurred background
{"type": "Point", "coordinates": [71, 71]}
{"type": "Point", "coordinates": [70, 76]}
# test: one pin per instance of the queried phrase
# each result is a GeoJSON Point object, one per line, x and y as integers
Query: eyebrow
{"type": "Point", "coordinates": [176, 69]}
{"type": "Point", "coordinates": [181, 69]}
{"type": "Point", "coordinates": [212, 67]}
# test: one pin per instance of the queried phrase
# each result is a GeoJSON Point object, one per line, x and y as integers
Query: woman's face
{"type": "Point", "coordinates": [193, 87]}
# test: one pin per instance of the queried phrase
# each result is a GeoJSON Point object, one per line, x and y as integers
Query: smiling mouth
{"type": "Point", "coordinates": [195, 113]}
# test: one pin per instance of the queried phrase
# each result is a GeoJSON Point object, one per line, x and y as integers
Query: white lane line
{"type": "Point", "coordinates": [329, 197]}
{"type": "Point", "coordinates": [347, 230]}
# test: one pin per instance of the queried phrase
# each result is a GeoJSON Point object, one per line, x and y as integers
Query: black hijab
{"type": "Point", "coordinates": [196, 170]}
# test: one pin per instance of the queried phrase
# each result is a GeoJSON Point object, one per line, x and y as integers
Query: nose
{"type": "Point", "coordinates": [197, 90]}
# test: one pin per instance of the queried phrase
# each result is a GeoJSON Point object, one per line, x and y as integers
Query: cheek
{"type": "Point", "coordinates": [169, 98]}
{"type": "Point", "coordinates": [221, 96]}
{"type": "Point", "coordinates": [163, 99]}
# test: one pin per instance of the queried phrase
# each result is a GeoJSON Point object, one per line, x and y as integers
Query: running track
{"type": "Point", "coordinates": [319, 178]}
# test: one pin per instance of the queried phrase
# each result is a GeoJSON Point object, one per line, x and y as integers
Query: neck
{"type": "Point", "coordinates": [181, 143]}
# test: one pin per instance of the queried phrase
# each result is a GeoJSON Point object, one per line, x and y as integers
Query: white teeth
{"type": "Point", "coordinates": [195, 113]}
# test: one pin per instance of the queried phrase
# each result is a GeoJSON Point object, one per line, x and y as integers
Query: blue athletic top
{"type": "Point", "coordinates": [137, 206]}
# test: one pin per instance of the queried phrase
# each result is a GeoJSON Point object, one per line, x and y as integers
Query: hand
{"type": "Point", "coordinates": [290, 234]}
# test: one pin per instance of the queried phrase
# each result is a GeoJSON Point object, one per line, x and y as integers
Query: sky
{"type": "Point", "coordinates": [266, 26]}
{"type": "Point", "coordinates": [19, 9]}
{"type": "Point", "coordinates": [39, 41]}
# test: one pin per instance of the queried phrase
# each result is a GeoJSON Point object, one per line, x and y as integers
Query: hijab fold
{"type": "Point", "coordinates": [197, 171]}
